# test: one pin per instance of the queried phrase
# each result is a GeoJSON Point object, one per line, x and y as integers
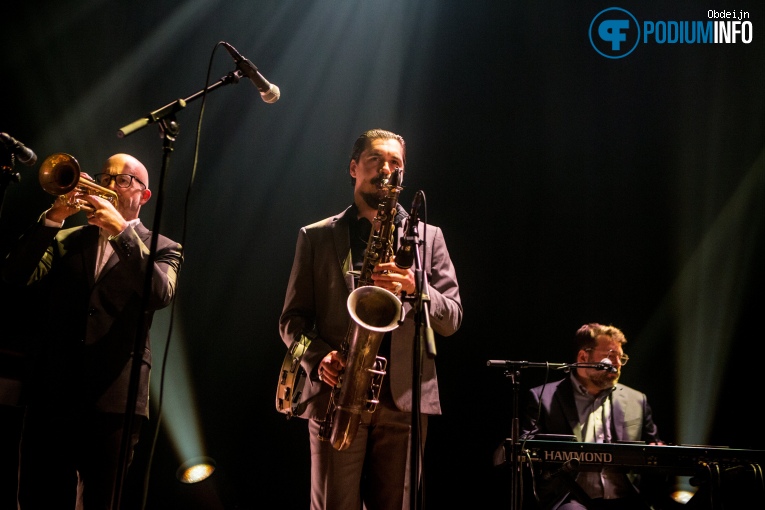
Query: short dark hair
{"type": "Point", "coordinates": [587, 336]}
{"type": "Point", "coordinates": [365, 138]}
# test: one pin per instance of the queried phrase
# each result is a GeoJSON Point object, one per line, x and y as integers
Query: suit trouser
{"type": "Point", "coordinates": [373, 470]}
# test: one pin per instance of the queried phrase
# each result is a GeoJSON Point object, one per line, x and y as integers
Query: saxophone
{"type": "Point", "coordinates": [374, 311]}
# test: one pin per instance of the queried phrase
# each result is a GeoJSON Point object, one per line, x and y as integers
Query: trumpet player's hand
{"type": "Point", "coordinates": [63, 207]}
{"type": "Point", "coordinates": [330, 368]}
{"type": "Point", "coordinates": [104, 215]}
{"type": "Point", "coordinates": [391, 277]}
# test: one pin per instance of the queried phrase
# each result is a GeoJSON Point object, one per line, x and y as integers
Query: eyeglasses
{"type": "Point", "coordinates": [613, 356]}
{"type": "Point", "coordinates": [121, 180]}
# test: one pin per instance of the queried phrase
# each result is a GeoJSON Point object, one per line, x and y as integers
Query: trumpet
{"type": "Point", "coordinates": [60, 173]}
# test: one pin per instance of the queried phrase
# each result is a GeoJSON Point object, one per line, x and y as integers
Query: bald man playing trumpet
{"type": "Point", "coordinates": [88, 282]}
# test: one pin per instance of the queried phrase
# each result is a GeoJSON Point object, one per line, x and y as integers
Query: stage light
{"type": "Point", "coordinates": [195, 470]}
{"type": "Point", "coordinates": [681, 496]}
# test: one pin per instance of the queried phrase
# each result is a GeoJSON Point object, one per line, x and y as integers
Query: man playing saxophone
{"type": "Point", "coordinates": [89, 294]}
{"type": "Point", "coordinates": [373, 469]}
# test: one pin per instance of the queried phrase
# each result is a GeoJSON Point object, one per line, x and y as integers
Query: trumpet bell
{"type": "Point", "coordinates": [60, 173]}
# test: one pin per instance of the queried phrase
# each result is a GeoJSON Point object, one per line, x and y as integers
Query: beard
{"type": "Point", "coordinates": [371, 199]}
{"type": "Point", "coordinates": [604, 379]}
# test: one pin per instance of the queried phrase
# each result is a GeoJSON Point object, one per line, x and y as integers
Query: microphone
{"type": "Point", "coordinates": [269, 92]}
{"type": "Point", "coordinates": [405, 253]}
{"type": "Point", "coordinates": [24, 154]}
{"type": "Point", "coordinates": [605, 364]}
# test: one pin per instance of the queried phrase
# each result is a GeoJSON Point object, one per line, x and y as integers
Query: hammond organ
{"type": "Point", "coordinates": [713, 469]}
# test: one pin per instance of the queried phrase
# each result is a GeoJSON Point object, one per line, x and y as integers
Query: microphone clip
{"type": "Point", "coordinates": [409, 241]}
{"type": "Point", "coordinates": [602, 365]}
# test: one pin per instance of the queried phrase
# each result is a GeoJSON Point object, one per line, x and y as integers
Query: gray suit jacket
{"type": "Point", "coordinates": [551, 409]}
{"type": "Point", "coordinates": [316, 298]}
{"type": "Point", "coordinates": [632, 417]}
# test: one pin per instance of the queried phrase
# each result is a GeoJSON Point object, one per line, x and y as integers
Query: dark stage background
{"type": "Point", "coordinates": [570, 187]}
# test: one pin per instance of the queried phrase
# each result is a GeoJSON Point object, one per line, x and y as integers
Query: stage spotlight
{"type": "Point", "coordinates": [203, 485]}
{"type": "Point", "coordinates": [681, 496]}
{"type": "Point", "coordinates": [684, 490]}
{"type": "Point", "coordinates": [195, 470]}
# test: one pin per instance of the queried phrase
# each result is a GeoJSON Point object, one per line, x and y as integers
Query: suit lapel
{"type": "Point", "coordinates": [143, 233]}
{"type": "Point", "coordinates": [110, 263]}
{"type": "Point", "coordinates": [618, 406]}
{"type": "Point", "coordinates": [567, 402]}
{"type": "Point", "coordinates": [342, 244]}
{"type": "Point", "coordinates": [89, 252]}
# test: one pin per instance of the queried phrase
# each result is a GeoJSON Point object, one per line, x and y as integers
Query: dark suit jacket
{"type": "Point", "coordinates": [316, 296]}
{"type": "Point", "coordinates": [81, 347]}
{"type": "Point", "coordinates": [554, 403]}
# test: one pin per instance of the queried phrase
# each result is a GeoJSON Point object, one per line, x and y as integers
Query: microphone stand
{"type": "Point", "coordinates": [513, 371]}
{"type": "Point", "coordinates": [423, 335]}
{"type": "Point", "coordinates": [167, 111]}
{"type": "Point", "coordinates": [7, 175]}
{"type": "Point", "coordinates": [169, 130]}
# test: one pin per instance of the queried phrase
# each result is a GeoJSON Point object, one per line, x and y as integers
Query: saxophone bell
{"type": "Point", "coordinates": [374, 311]}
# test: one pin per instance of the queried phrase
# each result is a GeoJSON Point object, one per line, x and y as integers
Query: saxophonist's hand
{"type": "Point", "coordinates": [391, 277]}
{"type": "Point", "coordinates": [330, 368]}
